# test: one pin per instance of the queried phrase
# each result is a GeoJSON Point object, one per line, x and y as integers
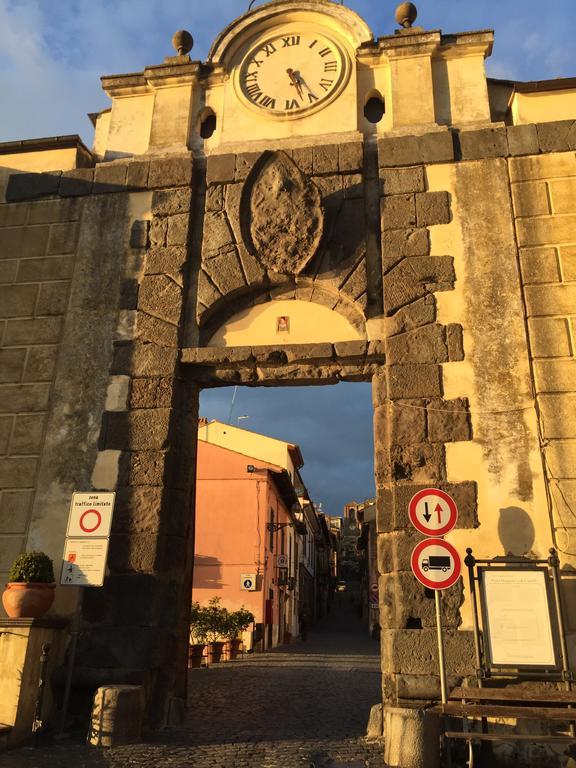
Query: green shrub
{"type": "Point", "coordinates": [32, 567]}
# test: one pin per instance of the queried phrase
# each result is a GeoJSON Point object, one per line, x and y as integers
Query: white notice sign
{"type": "Point", "coordinates": [84, 562]}
{"type": "Point", "coordinates": [90, 515]}
{"type": "Point", "coordinates": [517, 617]}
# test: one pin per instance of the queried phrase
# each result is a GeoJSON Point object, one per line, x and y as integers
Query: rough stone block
{"type": "Point", "coordinates": [455, 342]}
{"type": "Point", "coordinates": [170, 172]}
{"type": "Point", "coordinates": [421, 312]}
{"type": "Point", "coordinates": [42, 270]}
{"type": "Point", "coordinates": [110, 178]}
{"type": "Point", "coordinates": [163, 260]}
{"type": "Point", "coordinates": [22, 398]}
{"type": "Point", "coordinates": [568, 259]}
{"type": "Point", "coordinates": [325, 159]}
{"type": "Point", "coordinates": [77, 182]}
{"type": "Point", "coordinates": [396, 244]}
{"type": "Point", "coordinates": [142, 468]}
{"type": "Point", "coordinates": [559, 415]}
{"type": "Point", "coordinates": [350, 157]}
{"type": "Point", "coordinates": [555, 375]}
{"type": "Point", "coordinates": [158, 232]}
{"type": "Point", "coordinates": [137, 175]}
{"type": "Point", "coordinates": [23, 242]}
{"type": "Point", "coordinates": [143, 359]}
{"type": "Point", "coordinates": [404, 603]}
{"type": "Point", "coordinates": [17, 300]}
{"type": "Point", "coordinates": [395, 549]}
{"type": "Point", "coordinates": [351, 348]}
{"type": "Point", "coordinates": [27, 435]}
{"type": "Point", "coordinates": [449, 421]}
{"type": "Point", "coordinates": [244, 164]}
{"type": "Point", "coordinates": [45, 330]}
{"type": "Point", "coordinates": [303, 157]}
{"type": "Point", "coordinates": [27, 186]}
{"type": "Point", "coordinates": [172, 201]}
{"type": "Point", "coordinates": [138, 510]}
{"type": "Point", "coordinates": [225, 272]}
{"type": "Point", "coordinates": [563, 195]}
{"type": "Point", "coordinates": [208, 294]}
{"type": "Point", "coordinates": [52, 299]}
{"type": "Point", "coordinates": [220, 169]}
{"type": "Point", "coordinates": [410, 652]}
{"type": "Point", "coordinates": [217, 235]}
{"type": "Point", "coordinates": [530, 198]}
{"type": "Point", "coordinates": [11, 365]}
{"type": "Point", "coordinates": [522, 140]}
{"type": "Point", "coordinates": [540, 265]}
{"type": "Point", "coordinates": [398, 212]}
{"type": "Point", "coordinates": [418, 462]}
{"type": "Point", "coordinates": [117, 715]}
{"type": "Point", "coordinates": [353, 186]}
{"type": "Point", "coordinates": [178, 229]}
{"type": "Point", "coordinates": [433, 208]}
{"type": "Point", "coordinates": [13, 215]}
{"type": "Point", "coordinates": [141, 430]}
{"type": "Point", "coordinates": [557, 165]}
{"type": "Point", "coordinates": [414, 278]}
{"type": "Point", "coordinates": [14, 511]}
{"type": "Point", "coordinates": [549, 337]}
{"type": "Point", "coordinates": [215, 198]}
{"type": "Point", "coordinates": [555, 136]}
{"type": "Point", "coordinates": [41, 363]}
{"type": "Point", "coordinates": [561, 458]}
{"type": "Point", "coordinates": [437, 147]}
{"type": "Point", "coordinates": [400, 150]}
{"type": "Point", "coordinates": [151, 393]}
{"type": "Point", "coordinates": [18, 472]}
{"type": "Point", "coordinates": [408, 421]}
{"type": "Point", "coordinates": [162, 297]}
{"type": "Point", "coordinates": [379, 388]}
{"type": "Point", "coordinates": [401, 181]}
{"type": "Point", "coordinates": [62, 239]}
{"type": "Point", "coordinates": [542, 300]}
{"type": "Point", "coordinates": [53, 211]}
{"type": "Point", "coordinates": [152, 329]}
{"type": "Point", "coordinates": [422, 345]}
{"type": "Point", "coordinates": [484, 143]}
{"type": "Point", "coordinates": [414, 381]}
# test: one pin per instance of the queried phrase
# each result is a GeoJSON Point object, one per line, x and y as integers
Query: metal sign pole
{"type": "Point", "coordinates": [441, 659]}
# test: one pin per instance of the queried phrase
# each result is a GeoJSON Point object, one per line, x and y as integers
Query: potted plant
{"type": "Point", "coordinates": [217, 621]}
{"type": "Point", "coordinates": [238, 622]}
{"type": "Point", "coordinates": [197, 635]}
{"type": "Point", "coordinates": [30, 589]}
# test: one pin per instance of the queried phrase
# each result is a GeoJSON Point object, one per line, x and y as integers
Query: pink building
{"type": "Point", "coordinates": [245, 542]}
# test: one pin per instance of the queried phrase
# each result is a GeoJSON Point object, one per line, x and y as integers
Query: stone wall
{"type": "Point", "coordinates": [37, 259]}
{"type": "Point", "coordinates": [544, 194]}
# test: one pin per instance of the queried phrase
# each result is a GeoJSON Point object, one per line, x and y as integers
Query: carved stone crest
{"type": "Point", "coordinates": [282, 215]}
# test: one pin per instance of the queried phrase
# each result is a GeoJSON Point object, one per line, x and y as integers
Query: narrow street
{"type": "Point", "coordinates": [304, 705]}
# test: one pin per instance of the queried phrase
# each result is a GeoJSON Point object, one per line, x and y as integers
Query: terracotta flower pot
{"type": "Point", "coordinates": [27, 601]}
{"type": "Point", "coordinates": [215, 652]}
{"type": "Point", "coordinates": [235, 648]}
{"type": "Point", "coordinates": [195, 655]}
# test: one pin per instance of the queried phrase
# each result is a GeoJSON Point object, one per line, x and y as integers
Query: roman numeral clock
{"type": "Point", "coordinates": [292, 71]}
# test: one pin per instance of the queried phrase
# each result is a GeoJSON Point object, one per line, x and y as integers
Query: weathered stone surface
{"type": "Point", "coordinates": [13, 215]}
{"type": "Point", "coordinates": [244, 164]}
{"type": "Point", "coordinates": [165, 260]}
{"type": "Point", "coordinates": [433, 208]}
{"type": "Point", "coordinates": [449, 420]}
{"type": "Point", "coordinates": [420, 463]}
{"type": "Point", "coordinates": [217, 235]}
{"type": "Point", "coordinates": [161, 296]}
{"type": "Point", "coordinates": [138, 510]}
{"type": "Point", "coordinates": [405, 656]}
{"type": "Point", "coordinates": [379, 388]}
{"type": "Point", "coordinates": [152, 360]}
{"type": "Point", "coordinates": [133, 553]}
{"type": "Point", "coordinates": [398, 212]}
{"type": "Point", "coordinates": [170, 171]}
{"type": "Point", "coordinates": [423, 345]}
{"type": "Point", "coordinates": [76, 182]}
{"type": "Point", "coordinates": [303, 158]}
{"type": "Point", "coordinates": [17, 300]}
{"type": "Point", "coordinates": [140, 430]}
{"type": "Point", "coordinates": [27, 434]}
{"type": "Point", "coordinates": [23, 242]}
{"type": "Point", "coordinates": [421, 312]}
{"type": "Point", "coordinates": [392, 505]}
{"type": "Point", "coordinates": [555, 136]}
{"type": "Point", "coordinates": [151, 393]}
{"type": "Point", "coordinates": [170, 202]}
{"type": "Point", "coordinates": [18, 472]}
{"type": "Point", "coordinates": [414, 381]}
{"type": "Point", "coordinates": [11, 365]}
{"type": "Point", "coordinates": [41, 363]}
{"type": "Point", "coordinates": [53, 268]}
{"type": "Point", "coordinates": [396, 244]}
{"type": "Point", "coordinates": [14, 510]}
{"type": "Point", "coordinates": [6, 423]}
{"type": "Point", "coordinates": [137, 175]}
{"type": "Point", "coordinates": [215, 198]}
{"type": "Point", "coordinates": [226, 273]}
{"type": "Point", "coordinates": [26, 186]}
{"type": "Point", "coordinates": [414, 278]}
{"type": "Point", "coordinates": [208, 294]}
{"type": "Point", "coordinates": [436, 147]}
{"type": "Point", "coordinates": [404, 603]}
{"type": "Point", "coordinates": [351, 348]}
{"type": "Point", "coordinates": [353, 186]}
{"type": "Point", "coordinates": [401, 181]}
{"type": "Point", "coordinates": [285, 214]}
{"type": "Point", "coordinates": [142, 468]}
{"type": "Point", "coordinates": [484, 143]}
{"type": "Point", "coordinates": [325, 158]}
{"type": "Point", "coordinates": [522, 140]}
{"type": "Point", "coordinates": [178, 229]}
{"type": "Point", "coordinates": [544, 230]}
{"type": "Point", "coordinates": [220, 168]}
{"type": "Point", "coordinates": [253, 270]}
{"type": "Point", "coordinates": [52, 298]}
{"type": "Point", "coordinates": [350, 157]}
{"type": "Point", "coordinates": [158, 232]}
{"type": "Point", "coordinates": [44, 330]}
{"type": "Point", "coordinates": [555, 375]}
{"type": "Point", "coordinates": [8, 270]}
{"type": "Point", "coordinates": [530, 198]}
{"type": "Point", "coordinates": [558, 415]}
{"type": "Point", "coordinates": [408, 421]}
{"type": "Point", "coordinates": [110, 177]}
{"type": "Point", "coordinates": [563, 194]}
{"type": "Point", "coordinates": [139, 234]}
{"type": "Point", "coordinates": [150, 328]}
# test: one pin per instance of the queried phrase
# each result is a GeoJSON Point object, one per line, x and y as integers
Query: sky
{"type": "Point", "coordinates": [52, 55]}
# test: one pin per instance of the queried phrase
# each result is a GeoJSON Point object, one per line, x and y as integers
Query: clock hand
{"type": "Point", "coordinates": [295, 81]}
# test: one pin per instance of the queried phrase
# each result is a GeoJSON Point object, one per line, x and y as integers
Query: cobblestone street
{"type": "Point", "coordinates": [305, 705]}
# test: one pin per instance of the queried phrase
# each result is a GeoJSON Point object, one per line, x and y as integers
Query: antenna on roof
{"type": "Point", "coordinates": [232, 405]}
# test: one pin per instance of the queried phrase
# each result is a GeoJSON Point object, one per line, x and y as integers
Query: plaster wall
{"type": "Point", "coordinates": [543, 107]}
{"type": "Point", "coordinates": [460, 90]}
{"type": "Point", "coordinates": [495, 375]}
{"type": "Point", "coordinates": [249, 444]}
{"type": "Point", "coordinates": [309, 323]}
{"type": "Point", "coordinates": [130, 126]}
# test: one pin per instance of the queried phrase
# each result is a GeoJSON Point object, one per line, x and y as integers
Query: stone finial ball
{"type": "Point", "coordinates": [406, 14]}
{"type": "Point", "coordinates": [182, 42]}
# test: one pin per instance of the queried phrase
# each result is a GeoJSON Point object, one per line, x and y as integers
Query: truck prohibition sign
{"type": "Point", "coordinates": [436, 563]}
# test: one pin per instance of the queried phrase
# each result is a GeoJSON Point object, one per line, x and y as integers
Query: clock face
{"type": "Point", "coordinates": [289, 74]}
